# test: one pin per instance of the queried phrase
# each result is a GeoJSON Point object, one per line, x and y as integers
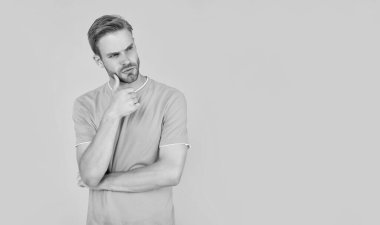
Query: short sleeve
{"type": "Point", "coordinates": [174, 125]}
{"type": "Point", "coordinates": [83, 124]}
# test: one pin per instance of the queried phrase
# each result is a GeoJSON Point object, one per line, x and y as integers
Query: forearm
{"type": "Point", "coordinates": [95, 161]}
{"type": "Point", "coordinates": [154, 176]}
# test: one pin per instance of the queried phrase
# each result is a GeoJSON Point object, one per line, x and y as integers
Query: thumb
{"type": "Point", "coordinates": [117, 83]}
{"type": "Point", "coordinates": [137, 166]}
{"type": "Point", "coordinates": [137, 106]}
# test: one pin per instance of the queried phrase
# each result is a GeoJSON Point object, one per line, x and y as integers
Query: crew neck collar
{"type": "Point", "coordinates": [137, 90]}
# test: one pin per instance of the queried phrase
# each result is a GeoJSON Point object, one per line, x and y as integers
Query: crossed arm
{"type": "Point", "coordinates": [94, 157]}
{"type": "Point", "coordinates": [166, 171]}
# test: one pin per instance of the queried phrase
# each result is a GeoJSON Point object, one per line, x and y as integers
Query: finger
{"type": "Point", "coordinates": [133, 101]}
{"type": "Point", "coordinates": [117, 83]}
{"type": "Point", "coordinates": [137, 106]}
{"type": "Point", "coordinates": [137, 166]}
{"type": "Point", "coordinates": [81, 183]}
{"type": "Point", "coordinates": [132, 95]}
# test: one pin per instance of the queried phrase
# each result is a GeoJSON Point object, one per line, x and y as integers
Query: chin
{"type": "Point", "coordinates": [129, 78]}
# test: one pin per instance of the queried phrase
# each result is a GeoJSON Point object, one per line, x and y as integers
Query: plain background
{"type": "Point", "coordinates": [283, 106]}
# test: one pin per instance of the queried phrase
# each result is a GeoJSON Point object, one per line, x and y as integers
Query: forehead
{"type": "Point", "coordinates": [114, 41]}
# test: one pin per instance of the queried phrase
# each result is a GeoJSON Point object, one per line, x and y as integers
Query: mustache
{"type": "Point", "coordinates": [127, 67]}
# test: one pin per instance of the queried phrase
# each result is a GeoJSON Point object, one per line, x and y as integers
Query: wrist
{"type": "Point", "coordinates": [110, 115]}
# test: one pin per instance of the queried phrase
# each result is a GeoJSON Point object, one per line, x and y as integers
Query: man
{"type": "Point", "coordinates": [131, 135]}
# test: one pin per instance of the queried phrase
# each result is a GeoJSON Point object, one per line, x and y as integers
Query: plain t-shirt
{"type": "Point", "coordinates": [161, 120]}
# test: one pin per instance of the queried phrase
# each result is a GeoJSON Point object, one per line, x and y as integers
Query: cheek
{"type": "Point", "coordinates": [111, 66]}
{"type": "Point", "coordinates": [134, 57]}
{"type": "Point", "coordinates": [136, 60]}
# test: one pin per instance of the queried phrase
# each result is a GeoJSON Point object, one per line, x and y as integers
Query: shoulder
{"type": "Point", "coordinates": [88, 99]}
{"type": "Point", "coordinates": [167, 92]}
{"type": "Point", "coordinates": [172, 99]}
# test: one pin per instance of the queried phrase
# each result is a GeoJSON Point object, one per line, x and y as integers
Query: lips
{"type": "Point", "coordinates": [127, 70]}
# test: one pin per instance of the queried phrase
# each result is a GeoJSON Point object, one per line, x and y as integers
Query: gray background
{"type": "Point", "coordinates": [283, 106]}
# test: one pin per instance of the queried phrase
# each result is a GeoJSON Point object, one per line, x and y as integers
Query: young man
{"type": "Point", "coordinates": [131, 135]}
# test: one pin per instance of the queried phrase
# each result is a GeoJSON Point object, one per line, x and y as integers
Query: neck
{"type": "Point", "coordinates": [135, 85]}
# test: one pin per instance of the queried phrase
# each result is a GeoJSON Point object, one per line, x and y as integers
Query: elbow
{"type": "Point", "coordinates": [170, 173]}
{"type": "Point", "coordinates": [91, 180]}
{"type": "Point", "coordinates": [174, 178]}
{"type": "Point", "coordinates": [175, 182]}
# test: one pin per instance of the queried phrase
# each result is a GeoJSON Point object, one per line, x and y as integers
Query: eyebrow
{"type": "Point", "coordinates": [113, 53]}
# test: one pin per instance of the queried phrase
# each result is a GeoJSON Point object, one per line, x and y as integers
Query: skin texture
{"type": "Point", "coordinates": [118, 52]}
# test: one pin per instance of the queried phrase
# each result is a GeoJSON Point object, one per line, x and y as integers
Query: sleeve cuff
{"type": "Point", "coordinates": [81, 143]}
{"type": "Point", "coordinates": [188, 145]}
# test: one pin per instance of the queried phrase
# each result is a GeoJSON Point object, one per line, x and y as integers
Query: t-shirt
{"type": "Point", "coordinates": [161, 120]}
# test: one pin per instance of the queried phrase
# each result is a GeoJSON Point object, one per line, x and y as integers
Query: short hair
{"type": "Point", "coordinates": [104, 25]}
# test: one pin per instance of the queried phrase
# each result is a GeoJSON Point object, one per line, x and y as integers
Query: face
{"type": "Point", "coordinates": [118, 55]}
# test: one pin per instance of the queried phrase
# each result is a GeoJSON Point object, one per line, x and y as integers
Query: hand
{"type": "Point", "coordinates": [80, 181]}
{"type": "Point", "coordinates": [139, 165]}
{"type": "Point", "coordinates": [124, 102]}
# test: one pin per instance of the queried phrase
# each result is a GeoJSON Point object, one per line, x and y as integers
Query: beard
{"type": "Point", "coordinates": [129, 73]}
{"type": "Point", "coordinates": [128, 76]}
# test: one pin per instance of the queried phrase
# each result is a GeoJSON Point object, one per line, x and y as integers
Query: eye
{"type": "Point", "coordinates": [113, 55]}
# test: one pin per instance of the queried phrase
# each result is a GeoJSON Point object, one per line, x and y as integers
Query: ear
{"type": "Point", "coordinates": [98, 61]}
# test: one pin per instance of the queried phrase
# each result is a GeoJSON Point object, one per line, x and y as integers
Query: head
{"type": "Point", "coordinates": [113, 45]}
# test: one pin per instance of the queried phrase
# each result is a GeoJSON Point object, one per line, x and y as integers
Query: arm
{"type": "Point", "coordinates": [166, 171]}
{"type": "Point", "coordinates": [93, 159]}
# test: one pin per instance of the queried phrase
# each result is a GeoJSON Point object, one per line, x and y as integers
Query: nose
{"type": "Point", "coordinates": [124, 60]}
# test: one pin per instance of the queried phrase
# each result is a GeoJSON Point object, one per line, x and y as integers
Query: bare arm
{"type": "Point", "coordinates": [93, 159]}
{"type": "Point", "coordinates": [165, 172]}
